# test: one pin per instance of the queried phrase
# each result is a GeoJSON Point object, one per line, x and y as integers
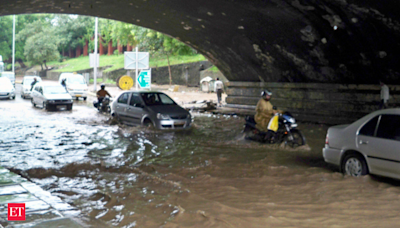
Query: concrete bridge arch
{"type": "Point", "coordinates": [280, 41]}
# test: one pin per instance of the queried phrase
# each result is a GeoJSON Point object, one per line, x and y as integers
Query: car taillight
{"type": "Point", "coordinates": [327, 140]}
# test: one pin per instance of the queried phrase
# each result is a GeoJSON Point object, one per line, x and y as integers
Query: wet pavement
{"type": "Point", "coordinates": [209, 176]}
{"type": "Point", "coordinates": [42, 209]}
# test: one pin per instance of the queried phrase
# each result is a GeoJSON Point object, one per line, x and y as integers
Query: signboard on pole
{"type": "Point", "coordinates": [144, 79]}
{"type": "Point", "coordinates": [139, 59]}
{"type": "Point", "coordinates": [91, 60]}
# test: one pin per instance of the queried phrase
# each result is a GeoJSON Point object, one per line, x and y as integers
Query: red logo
{"type": "Point", "coordinates": [16, 212]}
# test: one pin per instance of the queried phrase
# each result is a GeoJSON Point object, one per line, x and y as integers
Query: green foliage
{"type": "Point", "coordinates": [117, 62]}
{"type": "Point", "coordinates": [70, 31]}
{"type": "Point", "coordinates": [41, 44]}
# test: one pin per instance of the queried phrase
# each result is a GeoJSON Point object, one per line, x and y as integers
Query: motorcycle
{"type": "Point", "coordinates": [287, 132]}
{"type": "Point", "coordinates": [104, 105]}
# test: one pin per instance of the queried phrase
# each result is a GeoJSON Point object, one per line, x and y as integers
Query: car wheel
{"type": "Point", "coordinates": [77, 98]}
{"type": "Point", "coordinates": [84, 98]}
{"type": "Point", "coordinates": [147, 123]}
{"type": "Point", "coordinates": [33, 103]}
{"type": "Point", "coordinates": [354, 165]}
{"type": "Point", "coordinates": [22, 96]}
{"type": "Point", "coordinates": [69, 107]}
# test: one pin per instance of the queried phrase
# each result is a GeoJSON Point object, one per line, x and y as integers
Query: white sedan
{"type": "Point", "coordinates": [369, 145]}
{"type": "Point", "coordinates": [7, 90]}
{"type": "Point", "coordinates": [51, 96]}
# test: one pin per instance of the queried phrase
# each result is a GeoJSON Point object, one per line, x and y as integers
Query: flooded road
{"type": "Point", "coordinates": [208, 176]}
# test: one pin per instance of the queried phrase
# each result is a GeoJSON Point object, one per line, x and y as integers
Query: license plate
{"type": "Point", "coordinates": [78, 95]}
{"type": "Point", "coordinates": [61, 106]}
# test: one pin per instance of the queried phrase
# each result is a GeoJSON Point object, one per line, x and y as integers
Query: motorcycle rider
{"type": "Point", "coordinates": [264, 112]}
{"type": "Point", "coordinates": [101, 94]}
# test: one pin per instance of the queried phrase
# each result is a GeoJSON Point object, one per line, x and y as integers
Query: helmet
{"type": "Point", "coordinates": [265, 93]}
{"type": "Point", "coordinates": [102, 86]}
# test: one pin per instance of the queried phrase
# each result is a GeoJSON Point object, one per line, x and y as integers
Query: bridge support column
{"type": "Point", "coordinates": [313, 102]}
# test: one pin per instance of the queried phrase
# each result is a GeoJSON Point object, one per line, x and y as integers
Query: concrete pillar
{"type": "Point", "coordinates": [86, 48]}
{"type": "Point", "coordinates": [129, 47]}
{"type": "Point", "coordinates": [110, 48]}
{"type": "Point", "coordinates": [120, 48]}
{"type": "Point", "coordinates": [101, 48]}
{"type": "Point", "coordinates": [71, 53]}
{"type": "Point", "coordinates": [78, 51]}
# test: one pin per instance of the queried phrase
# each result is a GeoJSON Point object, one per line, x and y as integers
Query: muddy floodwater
{"type": "Point", "coordinates": [209, 176]}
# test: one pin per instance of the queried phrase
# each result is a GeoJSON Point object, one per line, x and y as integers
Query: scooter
{"type": "Point", "coordinates": [104, 105]}
{"type": "Point", "coordinates": [287, 132]}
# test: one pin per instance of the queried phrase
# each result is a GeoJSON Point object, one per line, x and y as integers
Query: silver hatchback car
{"type": "Point", "coordinates": [369, 145]}
{"type": "Point", "coordinates": [150, 108]}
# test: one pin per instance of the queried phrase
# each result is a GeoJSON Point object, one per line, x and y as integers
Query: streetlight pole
{"type": "Point", "coordinates": [95, 54]}
{"type": "Point", "coordinates": [13, 46]}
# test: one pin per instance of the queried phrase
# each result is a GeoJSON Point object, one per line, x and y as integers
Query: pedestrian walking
{"type": "Point", "coordinates": [384, 95]}
{"type": "Point", "coordinates": [219, 86]}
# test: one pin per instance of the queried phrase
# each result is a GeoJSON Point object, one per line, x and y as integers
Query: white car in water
{"type": "Point", "coordinates": [51, 96]}
{"type": "Point", "coordinates": [7, 90]}
{"type": "Point", "coordinates": [27, 84]}
{"type": "Point", "coordinates": [369, 145]}
{"type": "Point", "coordinates": [75, 84]}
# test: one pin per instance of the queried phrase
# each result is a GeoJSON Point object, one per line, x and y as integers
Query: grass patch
{"type": "Point", "coordinates": [214, 69]}
{"type": "Point", "coordinates": [117, 62]}
{"type": "Point", "coordinates": [100, 80]}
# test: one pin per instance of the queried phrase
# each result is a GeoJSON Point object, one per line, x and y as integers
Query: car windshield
{"type": "Point", "coordinates": [5, 83]}
{"type": "Point", "coordinates": [76, 80]}
{"type": "Point", "coordinates": [156, 99]}
{"type": "Point", "coordinates": [8, 75]}
{"type": "Point", "coordinates": [28, 81]}
{"type": "Point", "coordinates": [54, 90]}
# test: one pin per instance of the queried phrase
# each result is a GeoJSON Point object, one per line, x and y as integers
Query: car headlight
{"type": "Point", "coordinates": [162, 116]}
{"type": "Point", "coordinates": [71, 100]}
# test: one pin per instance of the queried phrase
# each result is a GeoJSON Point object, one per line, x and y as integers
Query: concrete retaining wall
{"type": "Point", "coordinates": [320, 103]}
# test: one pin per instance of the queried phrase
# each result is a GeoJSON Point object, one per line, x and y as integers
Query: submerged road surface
{"type": "Point", "coordinates": [208, 176]}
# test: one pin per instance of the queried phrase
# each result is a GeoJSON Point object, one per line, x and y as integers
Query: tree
{"type": "Point", "coordinates": [41, 44]}
{"type": "Point", "coordinates": [73, 31]}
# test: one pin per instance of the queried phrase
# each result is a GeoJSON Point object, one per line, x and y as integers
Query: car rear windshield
{"type": "Point", "coordinates": [157, 99]}
{"type": "Point", "coordinates": [54, 90]}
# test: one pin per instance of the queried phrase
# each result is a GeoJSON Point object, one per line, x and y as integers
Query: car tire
{"type": "Point", "coordinates": [69, 107]}
{"type": "Point", "coordinates": [33, 103]}
{"type": "Point", "coordinates": [84, 98]}
{"type": "Point", "coordinates": [22, 96]}
{"type": "Point", "coordinates": [354, 165]}
{"type": "Point", "coordinates": [148, 123]}
{"type": "Point", "coordinates": [77, 98]}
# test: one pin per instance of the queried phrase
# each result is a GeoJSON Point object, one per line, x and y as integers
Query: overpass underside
{"type": "Point", "coordinates": [332, 42]}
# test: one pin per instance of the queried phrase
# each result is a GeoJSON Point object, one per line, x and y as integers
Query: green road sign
{"type": "Point", "coordinates": [144, 79]}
